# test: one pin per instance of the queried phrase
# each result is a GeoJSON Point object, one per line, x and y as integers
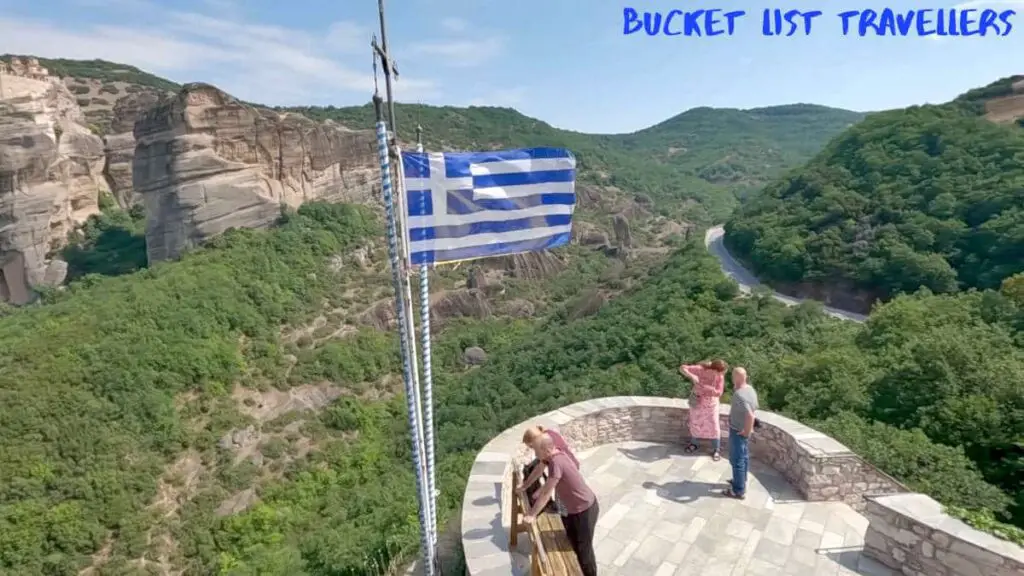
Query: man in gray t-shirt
{"type": "Point", "coordinates": [742, 415]}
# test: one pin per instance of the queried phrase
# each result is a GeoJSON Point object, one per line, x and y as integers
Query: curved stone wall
{"type": "Point", "coordinates": [818, 466]}
{"type": "Point", "coordinates": [910, 533]}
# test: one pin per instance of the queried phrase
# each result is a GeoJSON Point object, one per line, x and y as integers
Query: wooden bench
{"type": "Point", "coordinates": [552, 554]}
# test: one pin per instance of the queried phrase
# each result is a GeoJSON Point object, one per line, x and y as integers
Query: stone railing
{"type": "Point", "coordinates": [910, 532]}
{"type": "Point", "coordinates": [815, 464]}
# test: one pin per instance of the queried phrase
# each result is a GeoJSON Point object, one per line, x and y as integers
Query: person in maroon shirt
{"type": "Point", "coordinates": [579, 502]}
{"type": "Point", "coordinates": [534, 432]}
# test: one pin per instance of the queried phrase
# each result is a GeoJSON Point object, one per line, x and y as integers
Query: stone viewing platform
{"type": "Point", "coordinates": [812, 508]}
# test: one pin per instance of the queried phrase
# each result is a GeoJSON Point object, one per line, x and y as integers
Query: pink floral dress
{"type": "Point", "coordinates": [704, 421]}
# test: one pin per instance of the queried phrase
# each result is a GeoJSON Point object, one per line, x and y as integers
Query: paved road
{"type": "Point", "coordinates": [746, 280]}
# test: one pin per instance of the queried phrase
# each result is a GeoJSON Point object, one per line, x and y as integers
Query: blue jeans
{"type": "Point", "coordinates": [739, 457]}
{"type": "Point", "coordinates": [716, 443]}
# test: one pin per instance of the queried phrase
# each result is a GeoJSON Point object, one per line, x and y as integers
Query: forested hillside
{"type": "Point", "coordinates": [742, 149]}
{"type": "Point", "coordinates": [693, 165]}
{"type": "Point", "coordinates": [927, 196]}
{"type": "Point", "coordinates": [184, 365]}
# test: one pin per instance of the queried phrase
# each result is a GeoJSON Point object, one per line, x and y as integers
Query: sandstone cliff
{"type": "Point", "coordinates": [119, 143]}
{"type": "Point", "coordinates": [51, 176]}
{"type": "Point", "coordinates": [206, 162]}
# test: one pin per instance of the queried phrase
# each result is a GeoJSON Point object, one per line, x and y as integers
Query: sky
{"type": "Point", "coordinates": [566, 62]}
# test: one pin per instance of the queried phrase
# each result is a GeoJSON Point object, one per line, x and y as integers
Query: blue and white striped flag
{"type": "Point", "coordinates": [466, 205]}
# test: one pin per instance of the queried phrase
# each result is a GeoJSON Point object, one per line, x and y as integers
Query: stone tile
{"type": "Point", "coordinates": [626, 553]}
{"type": "Point", "coordinates": [772, 552]}
{"type": "Point", "coordinates": [758, 567]}
{"type": "Point", "coordinates": [608, 550]}
{"type": "Point", "coordinates": [826, 566]}
{"type": "Point", "coordinates": [746, 553]}
{"type": "Point", "coordinates": [678, 553]}
{"type": "Point", "coordinates": [805, 556]}
{"type": "Point", "coordinates": [693, 563]}
{"type": "Point", "coordinates": [636, 566]}
{"type": "Point", "coordinates": [666, 569]}
{"type": "Point", "coordinates": [661, 517]}
{"type": "Point", "coordinates": [653, 550]}
{"type": "Point", "coordinates": [871, 567]}
{"type": "Point", "coordinates": [610, 517]}
{"type": "Point", "coordinates": [780, 531]}
{"type": "Point", "coordinates": [669, 530]}
{"type": "Point", "coordinates": [738, 528]}
{"type": "Point", "coordinates": [792, 511]}
{"type": "Point", "coordinates": [694, 529]}
{"type": "Point", "coordinates": [806, 539]}
{"type": "Point", "coordinates": [830, 541]}
{"type": "Point", "coordinates": [811, 526]}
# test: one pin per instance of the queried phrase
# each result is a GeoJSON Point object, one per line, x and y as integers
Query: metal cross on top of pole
{"type": "Point", "coordinates": [390, 69]}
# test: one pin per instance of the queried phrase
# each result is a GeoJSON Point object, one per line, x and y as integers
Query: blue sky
{"type": "Point", "coordinates": [566, 62]}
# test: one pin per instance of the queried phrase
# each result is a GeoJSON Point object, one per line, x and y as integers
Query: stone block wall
{"type": "Point", "coordinates": [818, 466]}
{"type": "Point", "coordinates": [911, 534]}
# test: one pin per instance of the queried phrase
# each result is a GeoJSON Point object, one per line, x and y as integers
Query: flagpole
{"type": "Point", "coordinates": [400, 310]}
{"type": "Point", "coordinates": [408, 336]}
{"type": "Point", "coordinates": [428, 377]}
{"type": "Point", "coordinates": [403, 224]}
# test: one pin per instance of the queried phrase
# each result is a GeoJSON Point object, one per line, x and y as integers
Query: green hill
{"type": "Point", "coordinates": [742, 148]}
{"type": "Point", "coordinates": [101, 70]}
{"type": "Point", "coordinates": [693, 165]}
{"type": "Point", "coordinates": [925, 196]}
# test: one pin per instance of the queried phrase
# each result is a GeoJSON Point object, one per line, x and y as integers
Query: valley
{"type": "Point", "coordinates": [232, 404]}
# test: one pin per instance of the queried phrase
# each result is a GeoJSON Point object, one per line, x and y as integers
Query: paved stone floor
{"type": "Point", "coordinates": [662, 515]}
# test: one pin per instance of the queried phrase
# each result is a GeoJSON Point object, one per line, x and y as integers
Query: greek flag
{"type": "Point", "coordinates": [466, 205]}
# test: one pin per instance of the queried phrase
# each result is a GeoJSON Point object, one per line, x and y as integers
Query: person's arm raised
{"type": "Point", "coordinates": [690, 371]}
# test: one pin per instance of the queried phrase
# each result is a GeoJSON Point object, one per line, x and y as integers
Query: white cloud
{"type": "Point", "coordinates": [454, 24]}
{"type": "Point", "coordinates": [348, 37]}
{"type": "Point", "coordinates": [460, 53]}
{"type": "Point", "coordinates": [975, 4]}
{"type": "Point", "coordinates": [509, 97]}
{"type": "Point", "coordinates": [259, 63]}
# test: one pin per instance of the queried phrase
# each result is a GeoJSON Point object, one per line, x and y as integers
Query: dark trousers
{"type": "Point", "coordinates": [580, 530]}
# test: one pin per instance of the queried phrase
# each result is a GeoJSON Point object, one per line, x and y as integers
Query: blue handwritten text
{"type": "Point", "coordinates": [944, 22]}
{"type": "Point", "coordinates": [771, 22]}
{"type": "Point", "coordinates": [678, 22]}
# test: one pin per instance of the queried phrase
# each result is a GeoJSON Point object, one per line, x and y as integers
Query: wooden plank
{"type": "Point", "coordinates": [556, 544]}
{"type": "Point", "coordinates": [516, 505]}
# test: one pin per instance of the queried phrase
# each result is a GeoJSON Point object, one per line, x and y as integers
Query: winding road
{"type": "Point", "coordinates": [733, 269]}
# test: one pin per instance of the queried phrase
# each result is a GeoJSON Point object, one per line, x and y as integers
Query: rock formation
{"type": "Point", "coordinates": [623, 236]}
{"type": "Point", "coordinates": [119, 144]}
{"type": "Point", "coordinates": [206, 162]}
{"type": "Point", "coordinates": [50, 176]}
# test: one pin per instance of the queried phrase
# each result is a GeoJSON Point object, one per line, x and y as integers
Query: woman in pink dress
{"type": "Point", "coordinates": [708, 383]}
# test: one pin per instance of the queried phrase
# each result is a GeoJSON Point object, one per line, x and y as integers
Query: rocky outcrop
{"type": "Point", "coordinates": [119, 143]}
{"type": "Point", "coordinates": [474, 356]}
{"type": "Point", "coordinates": [623, 236]}
{"type": "Point", "coordinates": [206, 162]}
{"type": "Point", "coordinates": [50, 177]}
{"type": "Point", "coordinates": [529, 265]}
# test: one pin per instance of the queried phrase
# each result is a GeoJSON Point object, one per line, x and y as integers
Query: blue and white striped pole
{"type": "Point", "coordinates": [428, 376]}
{"type": "Point", "coordinates": [410, 392]}
{"type": "Point", "coordinates": [411, 336]}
